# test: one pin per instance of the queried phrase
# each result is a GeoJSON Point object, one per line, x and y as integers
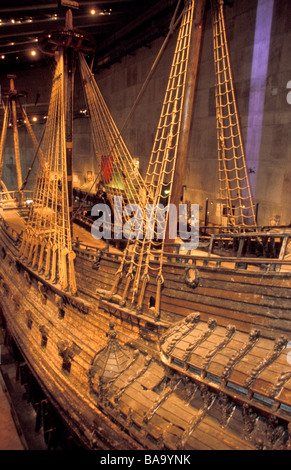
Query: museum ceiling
{"type": "Point", "coordinates": [118, 28]}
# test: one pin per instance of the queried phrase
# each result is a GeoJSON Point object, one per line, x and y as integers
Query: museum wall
{"type": "Point", "coordinates": [259, 42]}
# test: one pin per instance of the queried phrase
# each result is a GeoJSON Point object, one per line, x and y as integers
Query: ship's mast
{"type": "Point", "coordinates": [186, 119]}
{"type": "Point", "coordinates": [70, 41]}
{"type": "Point", "coordinates": [69, 66]}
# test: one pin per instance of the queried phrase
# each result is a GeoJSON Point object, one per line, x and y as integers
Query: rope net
{"type": "Point", "coordinates": [233, 178]}
{"type": "Point", "coordinates": [116, 169]}
{"type": "Point", "coordinates": [10, 114]}
{"type": "Point", "coordinates": [143, 256]}
{"type": "Point", "coordinates": [46, 242]}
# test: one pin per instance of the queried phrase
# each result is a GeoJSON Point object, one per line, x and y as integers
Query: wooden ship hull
{"type": "Point", "coordinates": [211, 373]}
{"type": "Point", "coordinates": [200, 362]}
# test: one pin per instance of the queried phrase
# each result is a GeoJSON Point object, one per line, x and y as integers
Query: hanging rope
{"type": "Point", "coordinates": [233, 178]}
{"type": "Point", "coordinates": [9, 112]}
{"type": "Point", "coordinates": [47, 242]}
{"type": "Point", "coordinates": [137, 266]}
{"type": "Point", "coordinates": [3, 137]}
{"type": "Point", "coordinates": [173, 25]}
{"type": "Point", "coordinates": [110, 150]}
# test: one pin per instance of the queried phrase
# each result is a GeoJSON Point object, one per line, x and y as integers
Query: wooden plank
{"type": "Point", "coordinates": [236, 294]}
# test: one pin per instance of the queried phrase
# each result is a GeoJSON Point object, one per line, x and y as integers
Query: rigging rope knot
{"type": "Point", "coordinates": [160, 279]}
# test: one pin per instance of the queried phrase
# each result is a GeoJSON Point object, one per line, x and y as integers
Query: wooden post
{"type": "Point", "coordinates": [69, 79]}
{"type": "Point", "coordinates": [191, 79]}
{"type": "Point", "coordinates": [15, 132]}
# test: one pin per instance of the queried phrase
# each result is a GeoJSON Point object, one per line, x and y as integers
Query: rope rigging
{"type": "Point", "coordinates": [47, 244]}
{"type": "Point", "coordinates": [233, 178]}
{"type": "Point", "coordinates": [90, 87]}
{"type": "Point", "coordinates": [116, 168]}
{"type": "Point", "coordinates": [10, 114]}
{"type": "Point", "coordinates": [137, 266]}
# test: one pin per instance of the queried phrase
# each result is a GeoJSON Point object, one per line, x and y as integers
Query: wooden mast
{"type": "Point", "coordinates": [184, 143]}
{"type": "Point", "coordinates": [69, 80]}
{"type": "Point", "coordinates": [13, 95]}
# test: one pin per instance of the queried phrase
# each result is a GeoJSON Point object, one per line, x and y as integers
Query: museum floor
{"type": "Point", "coordinates": [17, 424]}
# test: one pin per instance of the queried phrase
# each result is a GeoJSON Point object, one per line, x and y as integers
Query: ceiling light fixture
{"type": "Point", "coordinates": [33, 53]}
{"type": "Point", "coordinates": [93, 12]}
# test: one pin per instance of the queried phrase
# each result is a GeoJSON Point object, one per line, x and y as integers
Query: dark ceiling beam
{"type": "Point", "coordinates": [48, 6]}
{"type": "Point", "coordinates": [16, 30]}
{"type": "Point", "coordinates": [159, 8]}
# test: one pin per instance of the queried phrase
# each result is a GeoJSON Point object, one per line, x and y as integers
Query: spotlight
{"type": "Point", "coordinates": [93, 12]}
{"type": "Point", "coordinates": [34, 118]}
{"type": "Point", "coordinates": [2, 56]}
{"type": "Point", "coordinates": [33, 53]}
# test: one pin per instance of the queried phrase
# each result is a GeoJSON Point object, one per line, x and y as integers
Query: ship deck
{"type": "Point", "coordinates": [12, 216]}
{"type": "Point", "coordinates": [17, 222]}
{"type": "Point", "coordinates": [146, 393]}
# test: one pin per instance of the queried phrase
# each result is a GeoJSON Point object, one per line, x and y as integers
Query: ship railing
{"type": "Point", "coordinates": [254, 264]}
{"type": "Point", "coordinates": [219, 229]}
{"type": "Point", "coordinates": [271, 244]}
{"type": "Point", "coordinates": [14, 196]}
{"type": "Point", "coordinates": [176, 257]}
{"type": "Point", "coordinates": [11, 232]}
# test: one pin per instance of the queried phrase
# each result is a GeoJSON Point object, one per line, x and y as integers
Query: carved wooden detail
{"type": "Point", "coordinates": [27, 279]}
{"type": "Point", "coordinates": [191, 277]}
{"type": "Point", "coordinates": [29, 318]}
{"type": "Point", "coordinates": [284, 377]}
{"type": "Point", "coordinates": [2, 252]}
{"type": "Point", "coordinates": [181, 330]}
{"type": "Point", "coordinates": [272, 356]}
{"type": "Point", "coordinates": [250, 418]}
{"type": "Point", "coordinates": [139, 373]}
{"type": "Point", "coordinates": [60, 304]}
{"type": "Point", "coordinates": [44, 330]}
{"type": "Point", "coordinates": [253, 338]}
{"type": "Point", "coordinates": [227, 408]}
{"type": "Point", "coordinates": [230, 331]}
{"type": "Point", "coordinates": [42, 289]}
{"type": "Point", "coordinates": [67, 353]}
{"type": "Point", "coordinates": [175, 381]}
{"type": "Point", "coordinates": [212, 324]}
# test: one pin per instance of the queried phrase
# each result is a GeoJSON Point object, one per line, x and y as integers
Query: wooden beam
{"type": "Point", "coordinates": [191, 79]}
